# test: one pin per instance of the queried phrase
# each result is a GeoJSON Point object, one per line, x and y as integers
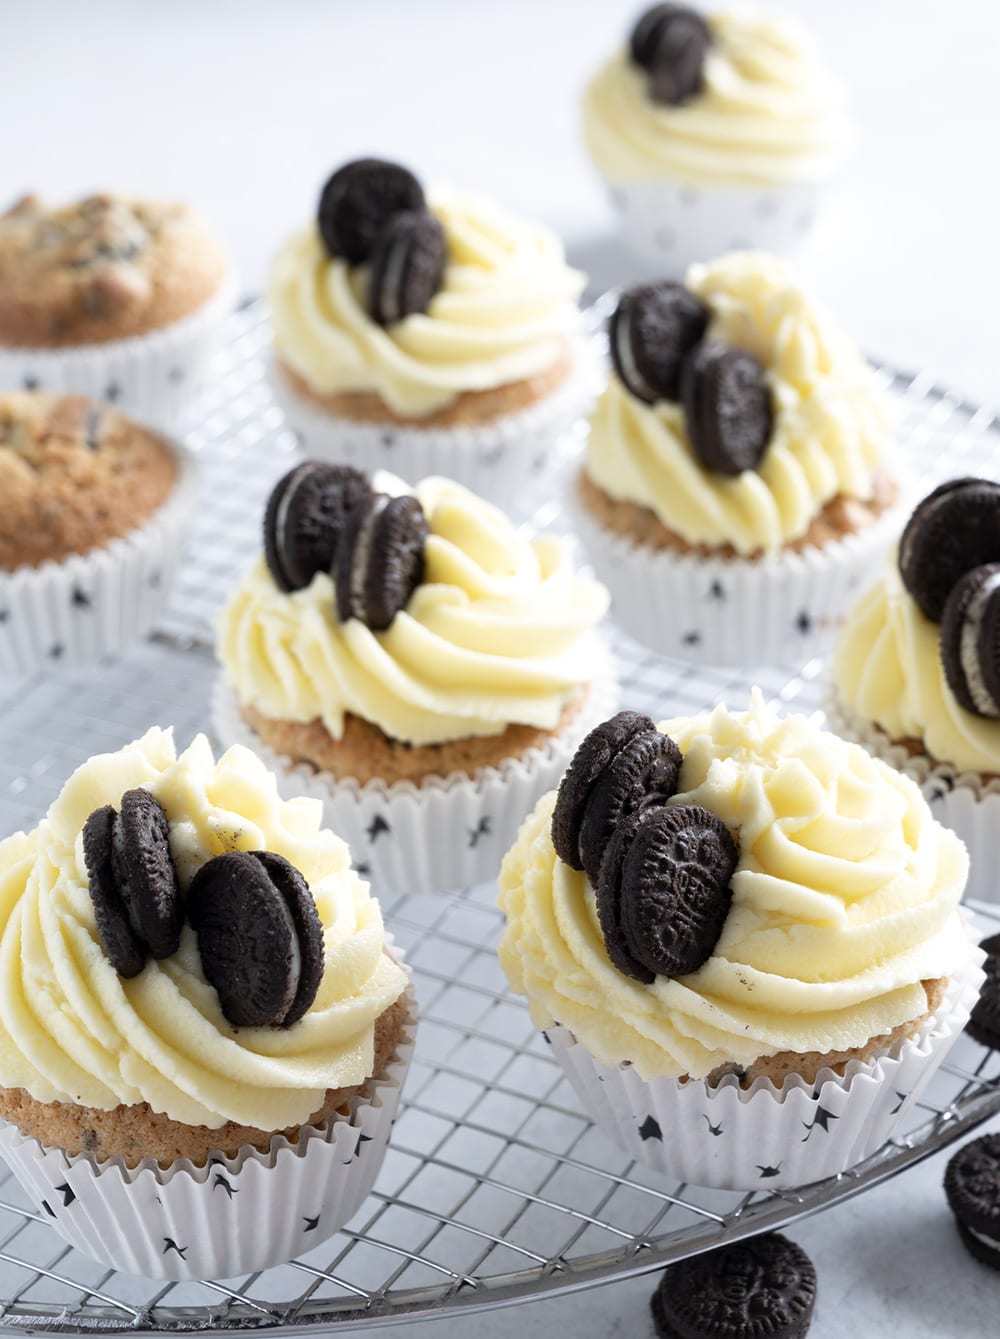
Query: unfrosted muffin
{"type": "Point", "coordinates": [738, 479]}
{"type": "Point", "coordinates": [193, 1015]}
{"type": "Point", "coordinates": [714, 132]}
{"type": "Point", "coordinates": [115, 297]}
{"type": "Point", "coordinates": [95, 512]}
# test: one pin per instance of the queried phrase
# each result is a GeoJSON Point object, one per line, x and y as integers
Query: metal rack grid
{"type": "Point", "coordinates": [495, 1189]}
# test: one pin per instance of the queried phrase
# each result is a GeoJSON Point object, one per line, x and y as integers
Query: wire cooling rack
{"type": "Point", "coordinates": [495, 1188]}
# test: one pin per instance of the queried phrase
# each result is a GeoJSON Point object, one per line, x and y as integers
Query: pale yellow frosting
{"type": "Point", "coordinates": [888, 670]}
{"type": "Point", "coordinates": [505, 308]}
{"type": "Point", "coordinates": [831, 423]}
{"type": "Point", "coordinates": [844, 899]}
{"type": "Point", "coordinates": [500, 631]}
{"type": "Point", "coordinates": [73, 1030]}
{"type": "Point", "coordinates": [767, 114]}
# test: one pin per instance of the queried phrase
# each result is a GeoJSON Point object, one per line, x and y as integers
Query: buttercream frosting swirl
{"type": "Point", "coordinates": [505, 307]}
{"type": "Point", "coordinates": [767, 114]}
{"type": "Point", "coordinates": [500, 631]}
{"type": "Point", "coordinates": [888, 670]}
{"type": "Point", "coordinates": [73, 1030]}
{"type": "Point", "coordinates": [831, 424]}
{"type": "Point", "coordinates": [845, 898]}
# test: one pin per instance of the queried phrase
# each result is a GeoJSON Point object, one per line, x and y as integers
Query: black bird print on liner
{"type": "Point", "coordinates": [902, 1098]}
{"type": "Point", "coordinates": [766, 1171]}
{"type": "Point", "coordinates": [712, 1129]}
{"type": "Point", "coordinates": [311, 1224]}
{"type": "Point", "coordinates": [482, 829]}
{"type": "Point", "coordinates": [220, 1183]}
{"type": "Point", "coordinates": [68, 1194]}
{"type": "Point", "coordinates": [822, 1119]}
{"type": "Point", "coordinates": [650, 1129]}
{"type": "Point", "coordinates": [376, 827]}
{"type": "Point", "coordinates": [170, 1245]}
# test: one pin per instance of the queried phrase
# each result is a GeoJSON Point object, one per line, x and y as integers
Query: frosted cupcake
{"type": "Point", "coordinates": [202, 1034]}
{"type": "Point", "coordinates": [113, 297]}
{"type": "Point", "coordinates": [431, 688]}
{"type": "Point", "coordinates": [736, 487]}
{"type": "Point", "coordinates": [734, 928]}
{"type": "Point", "coordinates": [714, 133]}
{"type": "Point", "coordinates": [427, 335]}
{"type": "Point", "coordinates": [915, 671]}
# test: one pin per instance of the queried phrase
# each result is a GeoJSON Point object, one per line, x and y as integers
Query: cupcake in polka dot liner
{"type": "Point", "coordinates": [428, 334]}
{"type": "Point", "coordinates": [737, 485]}
{"type": "Point", "coordinates": [915, 674]}
{"type": "Point", "coordinates": [742, 938]}
{"type": "Point", "coordinates": [203, 1030]}
{"type": "Point", "coordinates": [414, 660]}
{"type": "Point", "coordinates": [714, 132]}
{"type": "Point", "coordinates": [114, 297]}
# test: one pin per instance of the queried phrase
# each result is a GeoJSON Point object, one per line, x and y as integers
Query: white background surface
{"type": "Point", "coordinates": [245, 107]}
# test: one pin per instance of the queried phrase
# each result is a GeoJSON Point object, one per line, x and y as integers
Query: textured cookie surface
{"type": "Point", "coordinates": [651, 331]}
{"type": "Point", "coordinates": [972, 1185]}
{"type": "Point", "coordinates": [407, 266]}
{"type": "Point", "coordinates": [954, 529]}
{"type": "Point", "coordinates": [358, 201]}
{"type": "Point", "coordinates": [106, 267]}
{"type": "Point", "coordinates": [984, 1021]}
{"type": "Point", "coordinates": [125, 950]}
{"type": "Point", "coordinates": [727, 408]}
{"type": "Point", "coordinates": [670, 42]}
{"type": "Point", "coordinates": [73, 475]}
{"type": "Point", "coordinates": [764, 1288]}
{"type": "Point", "coordinates": [970, 640]}
{"type": "Point", "coordinates": [304, 517]}
{"type": "Point", "coordinates": [380, 559]}
{"type": "Point", "coordinates": [145, 874]}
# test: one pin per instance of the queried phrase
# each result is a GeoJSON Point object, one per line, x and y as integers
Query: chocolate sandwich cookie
{"type": "Point", "coordinates": [652, 330]}
{"type": "Point", "coordinates": [259, 937]}
{"type": "Point", "coordinates": [664, 890]}
{"type": "Point", "coordinates": [125, 951]}
{"type": "Point", "coordinates": [380, 559]}
{"type": "Point", "coordinates": [727, 407]}
{"type": "Point", "coordinates": [623, 764]}
{"type": "Point", "coordinates": [953, 530]}
{"type": "Point", "coordinates": [359, 200]}
{"type": "Point", "coordinates": [304, 517]}
{"type": "Point", "coordinates": [670, 42]}
{"type": "Point", "coordinates": [984, 1021]}
{"type": "Point", "coordinates": [764, 1288]}
{"type": "Point", "coordinates": [972, 1185]}
{"type": "Point", "coordinates": [144, 871]}
{"type": "Point", "coordinates": [407, 266]}
{"type": "Point", "coordinates": [970, 641]}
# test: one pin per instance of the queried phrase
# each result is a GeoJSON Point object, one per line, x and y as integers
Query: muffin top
{"type": "Point", "coordinates": [844, 898]}
{"type": "Point", "coordinates": [488, 629]}
{"type": "Point", "coordinates": [822, 425]}
{"type": "Point", "coordinates": [755, 108]}
{"type": "Point", "coordinates": [470, 299]}
{"type": "Point", "coordinates": [103, 268]}
{"type": "Point", "coordinates": [74, 474]}
{"type": "Point", "coordinates": [73, 1030]}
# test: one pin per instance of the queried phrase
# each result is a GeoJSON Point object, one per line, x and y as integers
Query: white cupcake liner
{"type": "Point", "coordinates": [671, 223]}
{"type": "Point", "coordinates": [231, 1216]}
{"type": "Point", "coordinates": [962, 801]}
{"type": "Point", "coordinates": [156, 378]}
{"type": "Point", "coordinates": [735, 611]}
{"type": "Point", "coordinates": [448, 832]}
{"type": "Point", "coordinates": [510, 460]}
{"type": "Point", "coordinates": [766, 1137]}
{"type": "Point", "coordinates": [96, 604]}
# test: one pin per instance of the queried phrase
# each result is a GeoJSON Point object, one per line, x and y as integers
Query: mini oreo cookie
{"type": "Point", "coordinates": [727, 407]}
{"type": "Point", "coordinates": [380, 559]}
{"type": "Point", "coordinates": [670, 43]}
{"type": "Point", "coordinates": [764, 1288]}
{"type": "Point", "coordinates": [359, 200]}
{"type": "Point", "coordinates": [970, 641]}
{"type": "Point", "coordinates": [954, 529]}
{"type": "Point", "coordinates": [125, 951]}
{"type": "Point", "coordinates": [259, 937]}
{"type": "Point", "coordinates": [303, 519]}
{"type": "Point", "coordinates": [407, 266]}
{"type": "Point", "coordinates": [664, 890]}
{"type": "Point", "coordinates": [984, 1021]}
{"type": "Point", "coordinates": [144, 872]}
{"type": "Point", "coordinates": [972, 1185]}
{"type": "Point", "coordinates": [652, 330]}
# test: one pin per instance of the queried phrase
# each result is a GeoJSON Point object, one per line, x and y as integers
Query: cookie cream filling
{"type": "Point", "coordinates": [991, 1243]}
{"type": "Point", "coordinates": [968, 648]}
{"type": "Point", "coordinates": [73, 1030]}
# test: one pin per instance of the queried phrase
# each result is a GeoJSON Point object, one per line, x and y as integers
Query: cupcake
{"type": "Point", "coordinates": [741, 936]}
{"type": "Point", "coordinates": [203, 1033]}
{"type": "Point", "coordinates": [714, 133]}
{"type": "Point", "coordinates": [734, 491]}
{"type": "Point", "coordinates": [915, 671]}
{"type": "Point", "coordinates": [427, 335]}
{"type": "Point", "coordinates": [118, 298]}
{"type": "Point", "coordinates": [95, 513]}
{"type": "Point", "coordinates": [415, 661]}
